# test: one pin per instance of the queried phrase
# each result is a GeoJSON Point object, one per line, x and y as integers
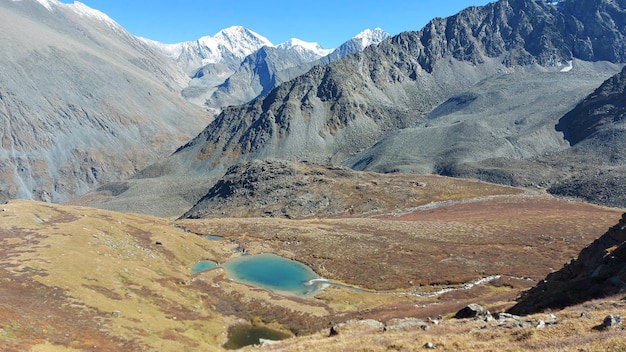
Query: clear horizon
{"type": "Point", "coordinates": [329, 23]}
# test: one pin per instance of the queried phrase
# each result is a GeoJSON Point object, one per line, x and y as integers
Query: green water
{"type": "Point", "coordinates": [202, 266]}
{"type": "Point", "coordinates": [274, 273]}
{"type": "Point", "coordinates": [213, 237]}
{"type": "Point", "coordinates": [245, 335]}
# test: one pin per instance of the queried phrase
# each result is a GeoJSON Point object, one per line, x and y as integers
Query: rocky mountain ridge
{"type": "Point", "coordinates": [416, 102]}
{"type": "Point", "coordinates": [219, 84]}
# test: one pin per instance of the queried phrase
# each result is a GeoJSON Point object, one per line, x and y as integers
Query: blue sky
{"type": "Point", "coordinates": [328, 22]}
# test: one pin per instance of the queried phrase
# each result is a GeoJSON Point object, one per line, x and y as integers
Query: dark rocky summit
{"type": "Point", "coordinates": [276, 188]}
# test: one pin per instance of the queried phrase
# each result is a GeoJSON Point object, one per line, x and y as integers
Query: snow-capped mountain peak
{"type": "Point", "coordinates": [48, 3]}
{"type": "Point", "coordinates": [78, 8]}
{"type": "Point", "coordinates": [369, 36]}
{"type": "Point", "coordinates": [228, 46]}
{"type": "Point", "coordinates": [86, 11]}
{"type": "Point", "coordinates": [240, 41]}
{"type": "Point", "coordinates": [309, 46]}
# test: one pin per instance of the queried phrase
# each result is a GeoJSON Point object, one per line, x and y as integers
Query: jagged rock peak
{"type": "Point", "coordinates": [525, 32]}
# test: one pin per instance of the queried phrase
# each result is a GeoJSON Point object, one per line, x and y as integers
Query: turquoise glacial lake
{"type": "Point", "coordinates": [202, 266]}
{"type": "Point", "coordinates": [274, 273]}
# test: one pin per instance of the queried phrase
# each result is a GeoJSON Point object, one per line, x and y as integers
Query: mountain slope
{"type": "Point", "coordinates": [468, 127]}
{"type": "Point", "coordinates": [599, 271]}
{"type": "Point", "coordinates": [333, 114]}
{"type": "Point", "coordinates": [269, 66]}
{"type": "Point", "coordinates": [82, 102]}
{"type": "Point", "coordinates": [602, 111]}
{"type": "Point", "coordinates": [590, 165]}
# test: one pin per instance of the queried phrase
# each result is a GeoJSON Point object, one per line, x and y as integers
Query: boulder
{"type": "Point", "coordinates": [472, 310]}
{"type": "Point", "coordinates": [408, 324]}
{"type": "Point", "coordinates": [611, 322]}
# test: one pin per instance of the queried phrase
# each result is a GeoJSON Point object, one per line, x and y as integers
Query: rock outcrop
{"type": "Point", "coordinates": [278, 188]}
{"type": "Point", "coordinates": [599, 271]}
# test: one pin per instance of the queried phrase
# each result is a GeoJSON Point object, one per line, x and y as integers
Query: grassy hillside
{"type": "Point", "coordinates": [77, 278]}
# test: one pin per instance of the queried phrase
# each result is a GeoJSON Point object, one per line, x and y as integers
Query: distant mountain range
{"type": "Point", "coordinates": [237, 65]}
{"type": "Point", "coordinates": [83, 102]}
{"type": "Point", "coordinates": [519, 92]}
{"type": "Point", "coordinates": [475, 95]}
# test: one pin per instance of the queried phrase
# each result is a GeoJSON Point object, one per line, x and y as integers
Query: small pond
{"type": "Point", "coordinates": [245, 335]}
{"type": "Point", "coordinates": [213, 237]}
{"type": "Point", "coordinates": [274, 273]}
{"type": "Point", "coordinates": [202, 266]}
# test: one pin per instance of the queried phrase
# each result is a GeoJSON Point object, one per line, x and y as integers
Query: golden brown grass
{"type": "Point", "coordinates": [66, 272]}
{"type": "Point", "coordinates": [571, 333]}
{"type": "Point", "coordinates": [516, 236]}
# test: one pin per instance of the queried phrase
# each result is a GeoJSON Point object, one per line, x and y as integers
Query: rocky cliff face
{"type": "Point", "coordinates": [599, 271]}
{"type": "Point", "coordinates": [82, 102]}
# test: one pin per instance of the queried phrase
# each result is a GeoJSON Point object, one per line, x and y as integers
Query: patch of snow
{"type": "Point", "coordinates": [569, 67]}
{"type": "Point", "coordinates": [465, 286]}
{"type": "Point", "coordinates": [369, 37]}
{"type": "Point", "coordinates": [294, 43]}
{"type": "Point", "coordinates": [86, 11]}
{"type": "Point", "coordinates": [48, 3]}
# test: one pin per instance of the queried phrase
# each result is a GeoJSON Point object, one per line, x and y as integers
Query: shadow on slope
{"type": "Point", "coordinates": [599, 271]}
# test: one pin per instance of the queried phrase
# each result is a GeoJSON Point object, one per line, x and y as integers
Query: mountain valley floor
{"type": "Point", "coordinates": [78, 278]}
